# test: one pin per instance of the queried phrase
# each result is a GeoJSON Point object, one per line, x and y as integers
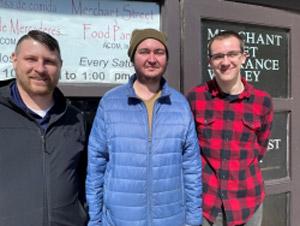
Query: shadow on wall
{"type": "Point", "coordinates": [88, 106]}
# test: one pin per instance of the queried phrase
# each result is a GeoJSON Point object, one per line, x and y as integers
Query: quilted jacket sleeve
{"type": "Point", "coordinates": [97, 160]}
{"type": "Point", "coordinates": [192, 177]}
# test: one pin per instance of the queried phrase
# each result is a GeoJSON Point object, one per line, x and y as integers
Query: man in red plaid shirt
{"type": "Point", "coordinates": [233, 121]}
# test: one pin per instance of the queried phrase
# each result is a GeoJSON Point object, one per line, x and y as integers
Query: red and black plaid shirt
{"type": "Point", "coordinates": [233, 135]}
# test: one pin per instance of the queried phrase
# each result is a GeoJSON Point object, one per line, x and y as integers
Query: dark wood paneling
{"type": "Point", "coordinates": [293, 5]}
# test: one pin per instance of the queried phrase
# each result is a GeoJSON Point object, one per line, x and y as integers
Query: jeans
{"type": "Point", "coordinates": [255, 220]}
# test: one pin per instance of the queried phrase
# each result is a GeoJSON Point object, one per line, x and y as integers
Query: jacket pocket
{"type": "Point", "coordinates": [107, 185]}
{"type": "Point", "coordinates": [248, 139]}
{"type": "Point", "coordinates": [73, 213]}
{"type": "Point", "coordinates": [204, 127]}
{"type": "Point", "coordinates": [107, 221]}
{"type": "Point", "coordinates": [255, 125]}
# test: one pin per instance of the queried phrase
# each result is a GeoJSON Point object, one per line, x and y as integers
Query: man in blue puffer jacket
{"type": "Point", "coordinates": [144, 165]}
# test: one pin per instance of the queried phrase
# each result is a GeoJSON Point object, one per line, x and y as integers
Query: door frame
{"type": "Point", "coordinates": [193, 11]}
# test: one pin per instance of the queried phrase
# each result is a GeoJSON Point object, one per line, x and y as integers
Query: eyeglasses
{"type": "Point", "coordinates": [232, 55]}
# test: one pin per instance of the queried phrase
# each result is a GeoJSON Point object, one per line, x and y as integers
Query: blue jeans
{"type": "Point", "coordinates": [255, 220]}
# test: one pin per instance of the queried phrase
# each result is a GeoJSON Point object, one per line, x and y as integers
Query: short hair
{"type": "Point", "coordinates": [41, 37]}
{"type": "Point", "coordinates": [223, 35]}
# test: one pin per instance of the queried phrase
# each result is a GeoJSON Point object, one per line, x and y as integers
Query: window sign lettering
{"type": "Point", "coordinates": [93, 35]}
{"type": "Point", "coordinates": [266, 66]}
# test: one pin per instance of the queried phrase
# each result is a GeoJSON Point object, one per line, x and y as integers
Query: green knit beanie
{"type": "Point", "coordinates": [138, 36]}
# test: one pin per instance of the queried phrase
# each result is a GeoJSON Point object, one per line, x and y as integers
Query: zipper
{"type": "Point", "coordinates": [149, 179]}
{"type": "Point", "coordinates": [149, 153]}
{"type": "Point", "coordinates": [46, 181]}
{"type": "Point", "coordinates": [150, 162]}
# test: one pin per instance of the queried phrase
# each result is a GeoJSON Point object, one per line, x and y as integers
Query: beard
{"type": "Point", "coordinates": [33, 86]}
{"type": "Point", "coordinates": [149, 79]}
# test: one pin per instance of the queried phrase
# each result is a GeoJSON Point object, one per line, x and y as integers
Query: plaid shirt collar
{"type": "Point", "coordinates": [213, 87]}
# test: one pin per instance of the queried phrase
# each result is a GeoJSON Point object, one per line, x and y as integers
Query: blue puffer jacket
{"type": "Point", "coordinates": [137, 180]}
